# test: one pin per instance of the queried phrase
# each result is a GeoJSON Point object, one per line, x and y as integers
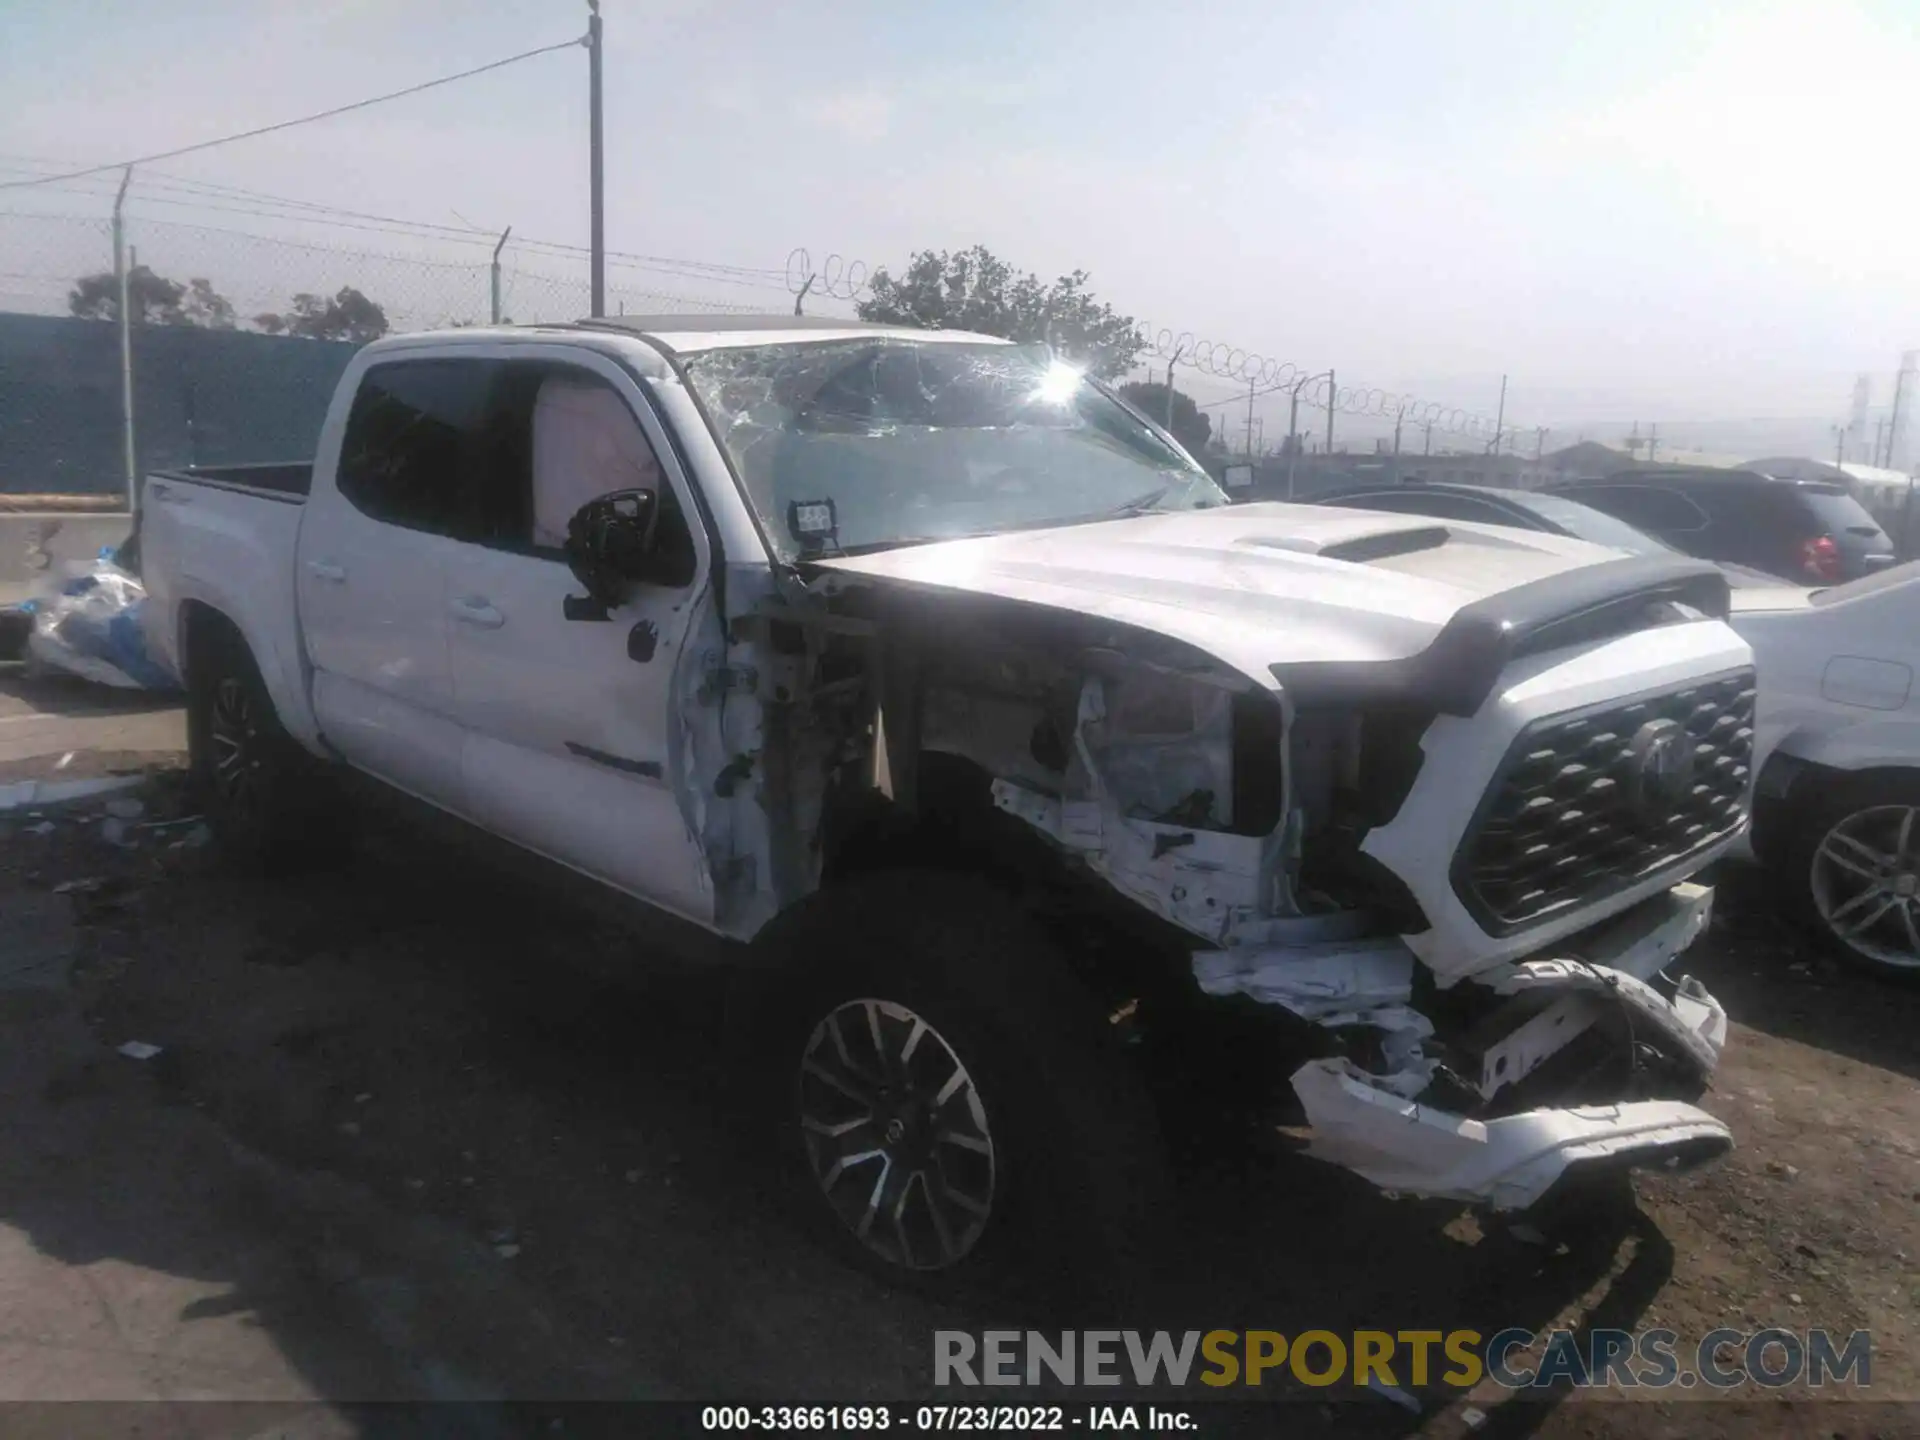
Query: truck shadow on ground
{"type": "Point", "coordinates": [68, 695]}
{"type": "Point", "coordinates": [1769, 974]}
{"type": "Point", "coordinates": [522, 1164]}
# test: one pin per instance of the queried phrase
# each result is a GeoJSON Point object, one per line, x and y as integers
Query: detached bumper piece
{"type": "Point", "coordinates": [1592, 1025]}
{"type": "Point", "coordinates": [1508, 1163]}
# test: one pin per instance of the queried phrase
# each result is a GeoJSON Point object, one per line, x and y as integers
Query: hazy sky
{"type": "Point", "coordinates": [1666, 208]}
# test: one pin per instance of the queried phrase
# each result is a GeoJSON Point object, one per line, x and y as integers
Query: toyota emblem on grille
{"type": "Point", "coordinates": [1662, 768]}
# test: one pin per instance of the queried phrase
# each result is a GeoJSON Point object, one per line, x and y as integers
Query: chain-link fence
{"type": "Point", "coordinates": [238, 338]}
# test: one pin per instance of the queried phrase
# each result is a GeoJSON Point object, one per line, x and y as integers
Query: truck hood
{"type": "Point", "coordinates": [1254, 586]}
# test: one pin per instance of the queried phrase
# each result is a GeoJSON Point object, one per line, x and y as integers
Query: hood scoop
{"type": "Point", "coordinates": [1360, 546]}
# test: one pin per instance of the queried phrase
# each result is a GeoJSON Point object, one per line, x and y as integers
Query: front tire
{"type": "Point", "coordinates": [1852, 858]}
{"type": "Point", "coordinates": [943, 1095]}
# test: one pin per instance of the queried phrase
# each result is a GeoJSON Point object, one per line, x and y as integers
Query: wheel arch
{"type": "Point", "coordinates": [203, 627]}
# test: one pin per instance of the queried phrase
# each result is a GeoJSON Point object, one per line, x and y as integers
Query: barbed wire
{"type": "Point", "coordinates": [836, 276]}
{"type": "Point", "coordinates": [1266, 375]}
{"type": "Point", "coordinates": [154, 188]}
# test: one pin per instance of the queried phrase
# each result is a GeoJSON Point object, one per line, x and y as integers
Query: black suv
{"type": "Point", "coordinates": [1810, 531]}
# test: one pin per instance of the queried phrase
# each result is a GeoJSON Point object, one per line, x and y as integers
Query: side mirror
{"type": "Point", "coordinates": [609, 543]}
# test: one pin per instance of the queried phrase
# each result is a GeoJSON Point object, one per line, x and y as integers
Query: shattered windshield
{"type": "Point", "coordinates": [901, 440]}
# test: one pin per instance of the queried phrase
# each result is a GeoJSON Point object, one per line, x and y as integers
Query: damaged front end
{"type": "Point", "coordinates": [1518, 1077]}
{"type": "Point", "coordinates": [1339, 852]}
{"type": "Point", "coordinates": [1584, 1058]}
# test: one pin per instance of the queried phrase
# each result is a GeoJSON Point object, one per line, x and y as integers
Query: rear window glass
{"type": "Point", "coordinates": [1836, 510]}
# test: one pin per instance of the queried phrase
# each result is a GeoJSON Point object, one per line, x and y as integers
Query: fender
{"type": "Point", "coordinates": [284, 674]}
{"type": "Point", "coordinates": [1883, 742]}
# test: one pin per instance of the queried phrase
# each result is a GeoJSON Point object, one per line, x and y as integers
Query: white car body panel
{"type": "Point", "coordinates": [1248, 584]}
{"type": "Point", "coordinates": [234, 553]}
{"type": "Point", "coordinates": [568, 746]}
{"type": "Point", "coordinates": [1837, 677]}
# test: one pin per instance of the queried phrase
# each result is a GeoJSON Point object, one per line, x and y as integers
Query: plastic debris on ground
{"type": "Point", "coordinates": [138, 1050]}
{"type": "Point", "coordinates": [90, 627]}
{"type": "Point", "coordinates": [22, 794]}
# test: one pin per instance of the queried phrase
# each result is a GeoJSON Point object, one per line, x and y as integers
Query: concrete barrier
{"type": "Point", "coordinates": [35, 547]}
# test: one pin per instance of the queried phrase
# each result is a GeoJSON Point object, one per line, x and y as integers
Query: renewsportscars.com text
{"type": "Point", "coordinates": [1514, 1358]}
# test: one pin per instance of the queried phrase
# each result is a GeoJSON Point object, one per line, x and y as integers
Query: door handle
{"type": "Point", "coordinates": [477, 612]}
{"type": "Point", "coordinates": [327, 570]}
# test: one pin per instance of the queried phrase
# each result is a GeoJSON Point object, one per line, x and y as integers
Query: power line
{"type": "Point", "coordinates": [289, 124]}
{"type": "Point", "coordinates": [756, 276]}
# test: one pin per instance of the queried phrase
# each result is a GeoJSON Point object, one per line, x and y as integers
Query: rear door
{"type": "Point", "coordinates": [569, 727]}
{"type": "Point", "coordinates": [371, 570]}
{"type": "Point", "coordinates": [1664, 514]}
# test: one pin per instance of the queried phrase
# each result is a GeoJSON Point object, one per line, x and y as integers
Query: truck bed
{"type": "Point", "coordinates": [286, 480]}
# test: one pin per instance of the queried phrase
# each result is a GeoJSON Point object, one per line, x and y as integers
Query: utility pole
{"type": "Point", "coordinates": [597, 202]}
{"type": "Point", "coordinates": [1839, 445]}
{"type": "Point", "coordinates": [1333, 398]}
{"type": "Point", "coordinates": [126, 343]}
{"type": "Point", "coordinates": [1540, 443]}
{"type": "Point", "coordinates": [1500, 418]}
{"type": "Point", "coordinates": [1250, 433]}
{"type": "Point", "coordinates": [1426, 445]}
{"type": "Point", "coordinates": [496, 272]}
{"type": "Point", "coordinates": [1293, 419]}
{"type": "Point", "coordinates": [1168, 423]}
{"type": "Point", "coordinates": [1879, 434]}
{"type": "Point", "coordinates": [1653, 440]}
{"type": "Point", "coordinates": [1893, 420]}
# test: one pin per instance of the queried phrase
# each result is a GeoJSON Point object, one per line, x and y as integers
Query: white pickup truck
{"type": "Point", "coordinates": [1015, 759]}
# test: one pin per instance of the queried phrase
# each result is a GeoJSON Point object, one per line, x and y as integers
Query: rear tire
{"type": "Point", "coordinates": [256, 786]}
{"type": "Point", "coordinates": [942, 1096]}
{"type": "Point", "coordinates": [1850, 858]}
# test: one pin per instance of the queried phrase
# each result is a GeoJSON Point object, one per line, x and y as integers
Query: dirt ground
{"type": "Point", "coordinates": [523, 1122]}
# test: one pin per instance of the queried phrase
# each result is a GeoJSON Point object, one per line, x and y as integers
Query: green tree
{"type": "Point", "coordinates": [1191, 426]}
{"type": "Point", "coordinates": [347, 315]}
{"type": "Point", "coordinates": [976, 290]}
{"type": "Point", "coordinates": [155, 300]}
{"type": "Point", "coordinates": [206, 306]}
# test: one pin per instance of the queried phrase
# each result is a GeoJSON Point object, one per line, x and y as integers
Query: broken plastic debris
{"type": "Point", "coordinates": [65, 760]}
{"type": "Point", "coordinates": [506, 1252]}
{"type": "Point", "coordinates": [1473, 1419]}
{"type": "Point", "coordinates": [126, 807]}
{"type": "Point", "coordinates": [139, 1050]}
{"type": "Point", "coordinates": [1394, 1393]}
{"type": "Point", "coordinates": [79, 887]}
{"type": "Point", "coordinates": [21, 794]}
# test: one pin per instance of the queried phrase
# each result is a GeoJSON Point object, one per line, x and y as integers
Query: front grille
{"type": "Point", "coordinates": [1576, 813]}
